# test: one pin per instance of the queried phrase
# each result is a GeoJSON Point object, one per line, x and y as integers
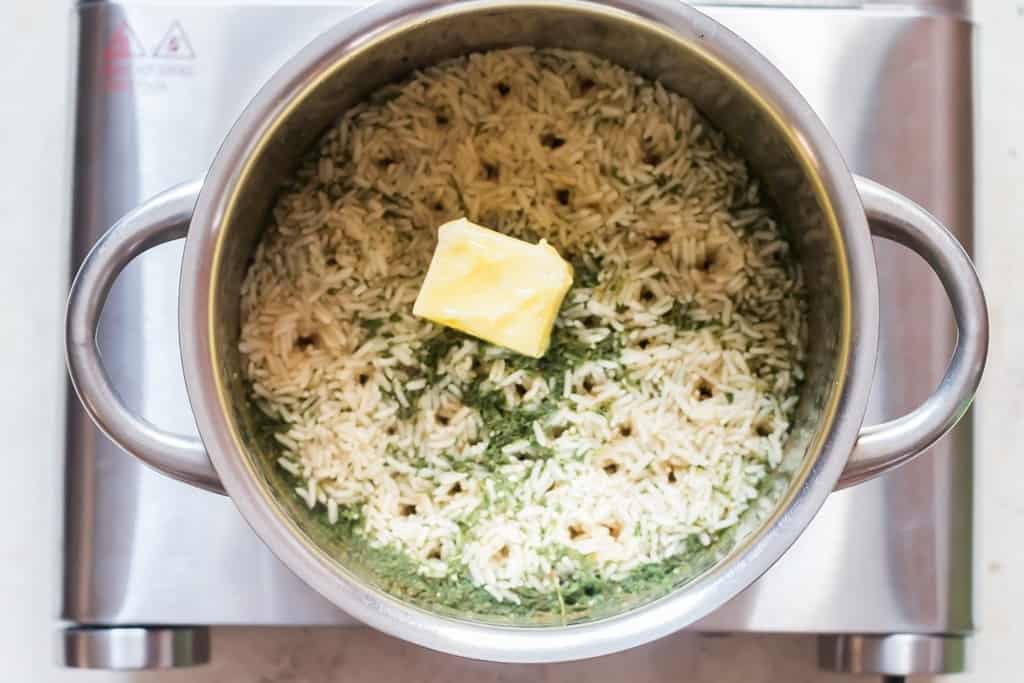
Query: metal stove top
{"type": "Point", "coordinates": [884, 573]}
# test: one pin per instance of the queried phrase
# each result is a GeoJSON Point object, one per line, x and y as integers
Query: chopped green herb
{"type": "Point", "coordinates": [458, 194]}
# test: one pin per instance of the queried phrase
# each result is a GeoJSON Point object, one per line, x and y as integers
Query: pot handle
{"type": "Point", "coordinates": [163, 218]}
{"type": "Point", "coordinates": [884, 446]}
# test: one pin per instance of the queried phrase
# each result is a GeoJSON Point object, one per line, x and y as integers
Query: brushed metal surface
{"type": "Point", "coordinates": [900, 654]}
{"type": "Point", "coordinates": [134, 647]}
{"type": "Point", "coordinates": [961, 7]}
{"type": "Point", "coordinates": [889, 556]}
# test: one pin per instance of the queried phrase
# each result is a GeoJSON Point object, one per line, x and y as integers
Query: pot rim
{"type": "Point", "coordinates": [752, 556]}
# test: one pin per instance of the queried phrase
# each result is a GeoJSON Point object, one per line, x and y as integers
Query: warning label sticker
{"type": "Point", "coordinates": [174, 44]}
{"type": "Point", "coordinates": [124, 44]}
{"type": "Point", "coordinates": [129, 67]}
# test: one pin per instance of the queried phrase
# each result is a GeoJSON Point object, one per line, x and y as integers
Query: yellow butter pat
{"type": "Point", "coordinates": [495, 287]}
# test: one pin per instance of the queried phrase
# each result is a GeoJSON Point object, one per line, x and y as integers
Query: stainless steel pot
{"type": "Point", "coordinates": [831, 216]}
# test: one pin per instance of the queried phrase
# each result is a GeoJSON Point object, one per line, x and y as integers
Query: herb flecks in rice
{"type": "Point", "coordinates": [670, 383]}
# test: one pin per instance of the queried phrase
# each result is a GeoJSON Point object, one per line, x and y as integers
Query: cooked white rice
{"type": "Point", "coordinates": [657, 432]}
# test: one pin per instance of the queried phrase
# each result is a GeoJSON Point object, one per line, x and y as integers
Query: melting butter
{"type": "Point", "coordinates": [495, 287]}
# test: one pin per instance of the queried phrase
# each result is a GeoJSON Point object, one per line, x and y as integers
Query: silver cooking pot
{"type": "Point", "coordinates": [830, 214]}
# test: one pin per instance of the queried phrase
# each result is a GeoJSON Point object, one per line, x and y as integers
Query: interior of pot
{"type": "Point", "coordinates": [680, 62]}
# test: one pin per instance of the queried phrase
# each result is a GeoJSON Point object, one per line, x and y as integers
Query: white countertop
{"type": "Point", "coordinates": [34, 108]}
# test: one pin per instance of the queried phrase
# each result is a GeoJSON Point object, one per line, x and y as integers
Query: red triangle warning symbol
{"type": "Point", "coordinates": [124, 44]}
{"type": "Point", "coordinates": [174, 44]}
